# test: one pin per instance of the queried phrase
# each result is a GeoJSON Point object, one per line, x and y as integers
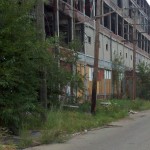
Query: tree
{"type": "Point", "coordinates": [117, 73]}
{"type": "Point", "coordinates": [21, 55]}
{"type": "Point", "coordinates": [61, 73]}
{"type": "Point", "coordinates": [144, 80]}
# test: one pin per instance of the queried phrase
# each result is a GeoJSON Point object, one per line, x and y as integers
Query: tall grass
{"type": "Point", "coordinates": [65, 122]}
{"type": "Point", "coordinates": [60, 124]}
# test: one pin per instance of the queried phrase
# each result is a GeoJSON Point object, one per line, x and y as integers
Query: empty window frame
{"type": "Point", "coordinates": [131, 34]}
{"type": "Point", "coordinates": [130, 10]}
{"type": "Point", "coordinates": [149, 47]}
{"type": "Point", "coordinates": [87, 8]}
{"type": "Point", "coordinates": [120, 26]}
{"type": "Point", "coordinates": [49, 21]}
{"type": "Point", "coordinates": [114, 23]}
{"type": "Point", "coordinates": [143, 42]}
{"type": "Point", "coordinates": [126, 28]}
{"type": "Point", "coordinates": [65, 28]}
{"type": "Point", "coordinates": [78, 5]}
{"type": "Point", "coordinates": [149, 27]}
{"type": "Point", "coordinates": [119, 3]}
{"type": "Point", "coordinates": [139, 2]}
{"type": "Point", "coordinates": [79, 33]}
{"type": "Point", "coordinates": [146, 45]}
{"type": "Point", "coordinates": [146, 25]}
{"type": "Point", "coordinates": [106, 18]}
{"type": "Point", "coordinates": [139, 40]}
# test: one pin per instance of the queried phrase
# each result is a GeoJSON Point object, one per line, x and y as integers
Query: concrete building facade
{"type": "Point", "coordinates": [75, 18]}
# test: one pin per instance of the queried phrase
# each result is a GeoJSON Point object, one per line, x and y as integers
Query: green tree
{"type": "Point", "coordinates": [117, 74]}
{"type": "Point", "coordinates": [144, 80]}
{"type": "Point", "coordinates": [62, 71]}
{"type": "Point", "coordinates": [21, 55]}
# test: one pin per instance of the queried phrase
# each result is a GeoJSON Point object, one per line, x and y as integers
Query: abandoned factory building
{"type": "Point", "coordinates": [75, 18]}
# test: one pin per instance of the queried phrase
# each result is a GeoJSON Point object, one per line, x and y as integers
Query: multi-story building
{"type": "Point", "coordinates": [76, 18]}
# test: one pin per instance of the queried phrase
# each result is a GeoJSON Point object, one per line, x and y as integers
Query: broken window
{"type": "Point", "coordinates": [78, 5]}
{"type": "Point", "coordinates": [113, 22]}
{"type": "Point", "coordinates": [149, 28]}
{"type": "Point", "coordinates": [146, 25]}
{"type": "Point", "coordinates": [142, 3]}
{"type": "Point", "coordinates": [106, 18]}
{"type": "Point", "coordinates": [149, 47]}
{"type": "Point", "coordinates": [89, 7]}
{"type": "Point", "coordinates": [49, 21]}
{"type": "Point", "coordinates": [126, 30]}
{"type": "Point", "coordinates": [143, 39]}
{"type": "Point", "coordinates": [139, 40]}
{"type": "Point", "coordinates": [131, 34]}
{"type": "Point", "coordinates": [145, 44]}
{"type": "Point", "coordinates": [120, 26]}
{"type": "Point", "coordinates": [65, 28]}
{"type": "Point", "coordinates": [138, 2]}
{"type": "Point", "coordinates": [79, 35]}
{"type": "Point", "coordinates": [130, 9]}
{"type": "Point", "coordinates": [142, 17]}
{"type": "Point", "coordinates": [119, 3]}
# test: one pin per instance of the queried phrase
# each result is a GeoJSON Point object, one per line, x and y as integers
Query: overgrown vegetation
{"type": "Point", "coordinates": [61, 124]}
{"type": "Point", "coordinates": [21, 55]}
{"type": "Point", "coordinates": [117, 74]}
{"type": "Point", "coordinates": [62, 72]}
{"type": "Point", "coordinates": [143, 81]}
{"type": "Point", "coordinates": [22, 58]}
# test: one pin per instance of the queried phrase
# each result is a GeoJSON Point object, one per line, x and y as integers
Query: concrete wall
{"type": "Point", "coordinates": [106, 52]}
{"type": "Point", "coordinates": [89, 33]}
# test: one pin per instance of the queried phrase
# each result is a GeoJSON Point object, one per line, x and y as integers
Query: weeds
{"type": "Point", "coordinates": [25, 138]}
{"type": "Point", "coordinates": [60, 124]}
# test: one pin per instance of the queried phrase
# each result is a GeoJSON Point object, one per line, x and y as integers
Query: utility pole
{"type": "Point", "coordinates": [41, 36]}
{"type": "Point", "coordinates": [96, 58]}
{"type": "Point", "coordinates": [134, 40]}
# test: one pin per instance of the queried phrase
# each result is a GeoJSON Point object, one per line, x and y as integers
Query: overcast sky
{"type": "Point", "coordinates": [148, 1]}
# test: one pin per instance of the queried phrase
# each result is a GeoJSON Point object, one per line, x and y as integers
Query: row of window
{"type": "Point", "coordinates": [124, 29]}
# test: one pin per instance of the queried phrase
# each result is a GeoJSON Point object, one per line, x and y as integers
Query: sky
{"type": "Point", "coordinates": [148, 1]}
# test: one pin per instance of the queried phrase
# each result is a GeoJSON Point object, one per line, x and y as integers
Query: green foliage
{"type": "Point", "coordinates": [61, 71]}
{"type": "Point", "coordinates": [144, 80]}
{"type": "Point", "coordinates": [61, 123]}
{"type": "Point", "coordinates": [117, 73]}
{"type": "Point", "coordinates": [21, 56]}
